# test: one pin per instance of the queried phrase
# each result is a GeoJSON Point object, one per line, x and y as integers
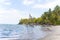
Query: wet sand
{"type": "Point", "coordinates": [54, 35]}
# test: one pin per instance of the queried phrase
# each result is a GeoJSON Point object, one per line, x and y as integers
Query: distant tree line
{"type": "Point", "coordinates": [51, 17]}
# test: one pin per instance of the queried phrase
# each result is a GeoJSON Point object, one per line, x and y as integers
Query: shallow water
{"type": "Point", "coordinates": [21, 32]}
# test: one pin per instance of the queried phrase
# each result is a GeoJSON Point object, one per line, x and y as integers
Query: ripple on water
{"type": "Point", "coordinates": [21, 31]}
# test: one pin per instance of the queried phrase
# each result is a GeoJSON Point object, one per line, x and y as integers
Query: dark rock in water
{"type": "Point", "coordinates": [46, 28]}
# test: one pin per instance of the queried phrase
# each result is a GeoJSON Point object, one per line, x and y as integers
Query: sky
{"type": "Point", "coordinates": [11, 11]}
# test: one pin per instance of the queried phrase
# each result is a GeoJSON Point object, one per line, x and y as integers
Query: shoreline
{"type": "Point", "coordinates": [54, 35]}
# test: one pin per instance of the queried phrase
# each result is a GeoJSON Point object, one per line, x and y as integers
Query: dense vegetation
{"type": "Point", "coordinates": [49, 17]}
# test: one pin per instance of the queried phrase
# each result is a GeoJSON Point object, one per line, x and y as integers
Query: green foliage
{"type": "Point", "coordinates": [49, 17]}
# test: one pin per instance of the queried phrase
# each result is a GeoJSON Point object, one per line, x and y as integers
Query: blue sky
{"type": "Point", "coordinates": [13, 10]}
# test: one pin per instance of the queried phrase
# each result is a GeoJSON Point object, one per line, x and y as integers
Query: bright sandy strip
{"type": "Point", "coordinates": [54, 35]}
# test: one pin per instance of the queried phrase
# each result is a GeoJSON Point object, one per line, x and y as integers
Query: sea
{"type": "Point", "coordinates": [21, 32]}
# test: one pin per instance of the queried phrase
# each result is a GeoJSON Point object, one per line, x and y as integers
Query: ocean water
{"type": "Point", "coordinates": [21, 32]}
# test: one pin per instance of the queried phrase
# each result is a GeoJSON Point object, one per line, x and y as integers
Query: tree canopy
{"type": "Point", "coordinates": [49, 17]}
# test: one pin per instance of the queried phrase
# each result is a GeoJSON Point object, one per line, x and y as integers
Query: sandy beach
{"type": "Point", "coordinates": [54, 35]}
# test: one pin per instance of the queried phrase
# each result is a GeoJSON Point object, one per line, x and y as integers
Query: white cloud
{"type": "Point", "coordinates": [5, 2]}
{"type": "Point", "coordinates": [47, 5]}
{"type": "Point", "coordinates": [10, 16]}
{"type": "Point", "coordinates": [39, 0]}
{"type": "Point", "coordinates": [28, 2]}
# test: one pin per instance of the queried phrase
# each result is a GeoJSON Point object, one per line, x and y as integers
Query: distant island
{"type": "Point", "coordinates": [51, 17]}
